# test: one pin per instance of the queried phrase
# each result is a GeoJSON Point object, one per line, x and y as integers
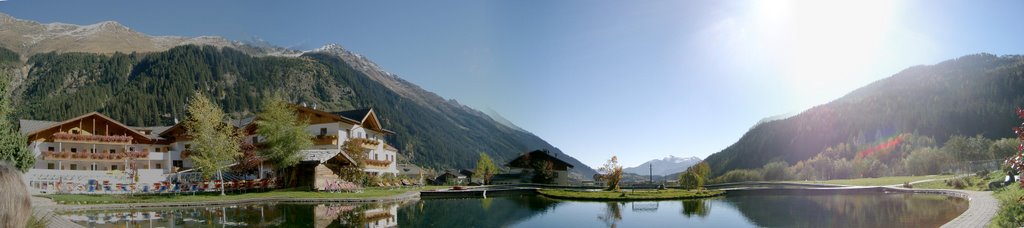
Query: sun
{"type": "Point", "coordinates": [821, 44]}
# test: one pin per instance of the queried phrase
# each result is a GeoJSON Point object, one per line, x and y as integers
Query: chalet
{"type": "Point", "coordinates": [95, 148]}
{"type": "Point", "coordinates": [413, 172]}
{"type": "Point", "coordinates": [450, 177]}
{"type": "Point", "coordinates": [521, 169]}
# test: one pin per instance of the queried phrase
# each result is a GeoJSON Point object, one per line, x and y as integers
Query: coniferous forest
{"type": "Point", "coordinates": [151, 89]}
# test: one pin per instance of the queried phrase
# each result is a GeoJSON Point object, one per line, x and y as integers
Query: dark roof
{"type": "Point", "coordinates": [356, 115]}
{"type": "Point", "coordinates": [34, 126]}
{"type": "Point", "coordinates": [29, 126]}
{"type": "Point", "coordinates": [408, 169]}
{"type": "Point", "coordinates": [241, 123]}
{"type": "Point", "coordinates": [540, 154]}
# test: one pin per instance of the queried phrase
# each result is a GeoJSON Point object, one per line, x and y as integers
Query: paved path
{"type": "Point", "coordinates": [980, 211]}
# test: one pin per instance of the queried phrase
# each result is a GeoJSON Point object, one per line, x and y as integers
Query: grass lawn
{"type": "Point", "coordinates": [629, 195]}
{"type": "Point", "coordinates": [880, 181]}
{"type": "Point", "coordinates": [973, 183]}
{"type": "Point", "coordinates": [211, 196]}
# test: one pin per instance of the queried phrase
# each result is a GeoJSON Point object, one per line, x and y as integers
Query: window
{"type": "Point", "coordinates": [348, 133]}
{"type": "Point", "coordinates": [74, 150]}
{"type": "Point", "coordinates": [323, 131]}
{"type": "Point", "coordinates": [177, 163]}
{"type": "Point", "coordinates": [113, 167]}
{"type": "Point", "coordinates": [93, 167]}
{"type": "Point", "coordinates": [50, 148]}
{"type": "Point", "coordinates": [131, 148]}
{"type": "Point", "coordinates": [112, 151]}
{"type": "Point", "coordinates": [375, 157]}
{"type": "Point", "coordinates": [157, 149]}
{"type": "Point", "coordinates": [50, 166]}
{"type": "Point", "coordinates": [158, 166]}
{"type": "Point", "coordinates": [74, 167]}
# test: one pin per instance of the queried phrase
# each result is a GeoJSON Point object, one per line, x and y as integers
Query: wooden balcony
{"type": "Point", "coordinates": [377, 163]}
{"type": "Point", "coordinates": [369, 144]}
{"type": "Point", "coordinates": [321, 140]}
{"type": "Point", "coordinates": [96, 139]}
{"type": "Point", "coordinates": [66, 155]}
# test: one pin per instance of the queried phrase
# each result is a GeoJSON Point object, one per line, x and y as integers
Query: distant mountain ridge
{"type": "Point", "coordinates": [28, 38]}
{"type": "Point", "coordinates": [665, 166]}
{"type": "Point", "coordinates": [63, 70]}
{"type": "Point", "coordinates": [970, 95]}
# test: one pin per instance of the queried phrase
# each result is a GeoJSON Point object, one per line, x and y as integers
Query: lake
{"type": "Point", "coordinates": [748, 210]}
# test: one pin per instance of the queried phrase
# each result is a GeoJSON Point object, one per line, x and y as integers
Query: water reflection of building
{"type": "Point", "coordinates": [366, 215]}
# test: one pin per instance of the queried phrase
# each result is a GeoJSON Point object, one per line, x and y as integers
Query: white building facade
{"type": "Point", "coordinates": [93, 152]}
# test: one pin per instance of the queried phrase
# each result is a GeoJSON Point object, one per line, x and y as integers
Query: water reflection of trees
{"type": "Point", "coordinates": [696, 207]}
{"type": "Point", "coordinates": [612, 214]}
{"type": "Point", "coordinates": [848, 210]}
{"type": "Point", "coordinates": [473, 212]}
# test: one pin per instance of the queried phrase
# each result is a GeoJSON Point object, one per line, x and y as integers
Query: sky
{"type": "Point", "coordinates": [638, 79]}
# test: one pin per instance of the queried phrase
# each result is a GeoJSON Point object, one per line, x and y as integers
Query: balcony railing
{"type": "Point", "coordinates": [321, 140]}
{"type": "Point", "coordinates": [94, 156]}
{"type": "Point", "coordinates": [108, 139]}
{"type": "Point", "coordinates": [377, 163]}
{"type": "Point", "coordinates": [367, 143]}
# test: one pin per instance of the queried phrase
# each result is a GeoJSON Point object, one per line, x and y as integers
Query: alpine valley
{"type": "Point", "coordinates": [59, 71]}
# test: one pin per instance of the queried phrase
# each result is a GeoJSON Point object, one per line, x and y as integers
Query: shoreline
{"type": "Point", "coordinates": [51, 211]}
{"type": "Point", "coordinates": [982, 207]}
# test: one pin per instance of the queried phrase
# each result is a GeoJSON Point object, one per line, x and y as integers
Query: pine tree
{"type": "Point", "coordinates": [283, 133]}
{"type": "Point", "coordinates": [12, 143]}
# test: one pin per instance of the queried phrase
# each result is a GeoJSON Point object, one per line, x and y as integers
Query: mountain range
{"type": "Point", "coordinates": [665, 166]}
{"type": "Point", "coordinates": [971, 95]}
{"type": "Point", "coordinates": [59, 71]}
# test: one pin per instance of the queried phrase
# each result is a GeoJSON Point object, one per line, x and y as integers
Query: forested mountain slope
{"type": "Point", "coordinates": [153, 88]}
{"type": "Point", "coordinates": [974, 94]}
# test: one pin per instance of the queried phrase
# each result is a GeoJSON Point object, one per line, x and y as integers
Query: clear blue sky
{"type": "Point", "coordinates": [638, 79]}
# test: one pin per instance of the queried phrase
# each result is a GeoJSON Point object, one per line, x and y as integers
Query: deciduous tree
{"type": "Point", "coordinates": [485, 168]}
{"type": "Point", "coordinates": [691, 180]}
{"type": "Point", "coordinates": [215, 143]}
{"type": "Point", "coordinates": [612, 173]}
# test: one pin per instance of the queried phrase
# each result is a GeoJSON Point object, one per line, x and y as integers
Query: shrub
{"type": "Point", "coordinates": [776, 171]}
{"type": "Point", "coordinates": [740, 175]}
{"type": "Point", "coordinates": [1011, 210]}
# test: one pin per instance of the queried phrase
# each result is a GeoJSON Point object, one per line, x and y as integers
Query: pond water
{"type": "Point", "coordinates": [772, 210]}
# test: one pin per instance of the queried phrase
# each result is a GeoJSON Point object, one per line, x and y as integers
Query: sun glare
{"type": "Point", "coordinates": [823, 44]}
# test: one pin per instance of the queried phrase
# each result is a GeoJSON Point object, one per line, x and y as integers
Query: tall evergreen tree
{"type": "Point", "coordinates": [283, 133]}
{"type": "Point", "coordinates": [12, 143]}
